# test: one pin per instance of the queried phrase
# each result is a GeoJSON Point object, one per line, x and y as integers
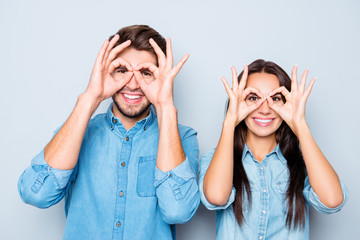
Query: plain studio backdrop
{"type": "Point", "coordinates": [48, 48]}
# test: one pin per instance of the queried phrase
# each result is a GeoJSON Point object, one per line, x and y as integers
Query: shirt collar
{"type": "Point", "coordinates": [147, 121]}
{"type": "Point", "coordinates": [276, 151]}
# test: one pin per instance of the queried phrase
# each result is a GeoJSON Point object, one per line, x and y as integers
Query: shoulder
{"type": "Point", "coordinates": [97, 122]}
{"type": "Point", "coordinates": [185, 131]}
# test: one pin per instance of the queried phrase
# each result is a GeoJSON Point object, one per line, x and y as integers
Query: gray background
{"type": "Point", "coordinates": [47, 50]}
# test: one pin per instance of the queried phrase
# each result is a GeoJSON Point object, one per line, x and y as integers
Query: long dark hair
{"type": "Point", "coordinates": [289, 147]}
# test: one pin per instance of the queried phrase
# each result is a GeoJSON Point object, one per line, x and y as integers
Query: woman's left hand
{"type": "Point", "coordinates": [293, 111]}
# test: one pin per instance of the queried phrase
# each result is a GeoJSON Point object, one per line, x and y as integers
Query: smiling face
{"type": "Point", "coordinates": [130, 101]}
{"type": "Point", "coordinates": [263, 122]}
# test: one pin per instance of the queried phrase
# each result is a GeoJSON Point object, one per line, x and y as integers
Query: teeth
{"type": "Point", "coordinates": [132, 96]}
{"type": "Point", "coordinates": [263, 120]}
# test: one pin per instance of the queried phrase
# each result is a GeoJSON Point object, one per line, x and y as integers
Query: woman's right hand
{"type": "Point", "coordinates": [238, 108]}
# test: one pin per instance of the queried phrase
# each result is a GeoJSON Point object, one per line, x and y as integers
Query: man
{"type": "Point", "coordinates": [129, 173]}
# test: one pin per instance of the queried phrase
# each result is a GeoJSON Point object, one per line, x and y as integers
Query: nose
{"type": "Point", "coordinates": [264, 108]}
{"type": "Point", "coordinates": [132, 84]}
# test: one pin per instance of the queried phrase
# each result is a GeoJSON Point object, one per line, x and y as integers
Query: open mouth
{"type": "Point", "coordinates": [132, 98]}
{"type": "Point", "coordinates": [263, 122]}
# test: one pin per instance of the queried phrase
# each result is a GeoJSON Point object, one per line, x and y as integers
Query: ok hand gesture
{"type": "Point", "coordinates": [293, 111]}
{"type": "Point", "coordinates": [102, 84]}
{"type": "Point", "coordinates": [238, 108]}
{"type": "Point", "coordinates": [159, 90]}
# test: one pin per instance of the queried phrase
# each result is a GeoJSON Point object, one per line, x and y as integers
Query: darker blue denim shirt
{"type": "Point", "coordinates": [116, 191]}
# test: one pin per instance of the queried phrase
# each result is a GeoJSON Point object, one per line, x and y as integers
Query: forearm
{"type": "Point", "coordinates": [322, 177]}
{"type": "Point", "coordinates": [63, 150]}
{"type": "Point", "coordinates": [170, 151]}
{"type": "Point", "coordinates": [218, 179]}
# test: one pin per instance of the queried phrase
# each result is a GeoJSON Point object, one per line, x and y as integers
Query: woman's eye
{"type": "Point", "coordinates": [276, 99]}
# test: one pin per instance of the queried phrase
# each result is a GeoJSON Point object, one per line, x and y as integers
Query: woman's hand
{"type": "Point", "coordinates": [238, 108]}
{"type": "Point", "coordinates": [293, 111]}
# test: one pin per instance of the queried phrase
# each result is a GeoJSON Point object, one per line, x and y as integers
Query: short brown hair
{"type": "Point", "coordinates": [139, 36]}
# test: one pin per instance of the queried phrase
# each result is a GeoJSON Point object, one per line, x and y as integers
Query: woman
{"type": "Point", "coordinates": [258, 179]}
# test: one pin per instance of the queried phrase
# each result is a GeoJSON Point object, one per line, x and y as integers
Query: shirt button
{"type": "Point", "coordinates": [264, 212]}
{"type": "Point", "coordinates": [264, 190]}
{"type": "Point", "coordinates": [112, 126]}
{"type": "Point", "coordinates": [170, 175]}
{"type": "Point", "coordinates": [261, 237]}
{"type": "Point", "coordinates": [121, 194]}
{"type": "Point", "coordinates": [118, 224]}
{"type": "Point", "coordinates": [127, 138]}
{"type": "Point", "coordinates": [144, 128]}
{"type": "Point", "coordinates": [114, 120]}
{"type": "Point", "coordinates": [123, 164]}
{"type": "Point", "coordinates": [261, 168]}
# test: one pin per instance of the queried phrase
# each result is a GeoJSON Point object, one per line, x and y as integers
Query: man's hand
{"type": "Point", "coordinates": [159, 90]}
{"type": "Point", "coordinates": [104, 82]}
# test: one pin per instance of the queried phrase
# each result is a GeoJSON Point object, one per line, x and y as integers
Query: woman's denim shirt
{"type": "Point", "coordinates": [266, 217]}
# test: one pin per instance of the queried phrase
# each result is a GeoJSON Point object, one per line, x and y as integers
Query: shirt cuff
{"type": "Point", "coordinates": [60, 177]}
{"type": "Point", "coordinates": [314, 201]}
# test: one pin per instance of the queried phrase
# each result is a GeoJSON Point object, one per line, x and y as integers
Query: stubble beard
{"type": "Point", "coordinates": [130, 112]}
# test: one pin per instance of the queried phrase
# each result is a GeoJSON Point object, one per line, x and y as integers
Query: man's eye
{"type": "Point", "coordinates": [253, 98]}
{"type": "Point", "coordinates": [121, 70]}
{"type": "Point", "coordinates": [146, 73]}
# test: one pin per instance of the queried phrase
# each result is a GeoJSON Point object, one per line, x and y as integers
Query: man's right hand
{"type": "Point", "coordinates": [103, 83]}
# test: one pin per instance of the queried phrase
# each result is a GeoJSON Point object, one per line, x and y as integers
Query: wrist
{"type": "Point", "coordinates": [299, 128]}
{"type": "Point", "coordinates": [229, 123]}
{"type": "Point", "coordinates": [88, 101]}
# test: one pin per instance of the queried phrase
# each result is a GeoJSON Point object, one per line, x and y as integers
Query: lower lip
{"type": "Point", "coordinates": [132, 101]}
{"type": "Point", "coordinates": [263, 124]}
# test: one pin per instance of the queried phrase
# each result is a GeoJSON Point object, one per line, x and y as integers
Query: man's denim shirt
{"type": "Point", "coordinates": [116, 191]}
{"type": "Point", "coordinates": [266, 216]}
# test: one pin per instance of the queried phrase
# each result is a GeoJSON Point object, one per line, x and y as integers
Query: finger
{"type": "Point", "coordinates": [227, 87]}
{"type": "Point", "coordinates": [169, 55]}
{"type": "Point", "coordinates": [234, 78]}
{"type": "Point", "coordinates": [159, 53]}
{"type": "Point", "coordinates": [110, 46]}
{"type": "Point", "coordinates": [178, 66]}
{"type": "Point", "coordinates": [152, 67]}
{"type": "Point", "coordinates": [249, 90]}
{"type": "Point", "coordinates": [257, 104]}
{"type": "Point", "coordinates": [281, 90]}
{"type": "Point", "coordinates": [243, 78]}
{"type": "Point", "coordinates": [119, 62]}
{"type": "Point", "coordinates": [273, 106]}
{"type": "Point", "coordinates": [140, 80]}
{"type": "Point", "coordinates": [294, 84]}
{"type": "Point", "coordinates": [115, 51]}
{"type": "Point", "coordinates": [101, 53]}
{"type": "Point", "coordinates": [309, 87]}
{"type": "Point", "coordinates": [303, 80]}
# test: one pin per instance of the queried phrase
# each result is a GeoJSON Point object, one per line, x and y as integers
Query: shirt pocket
{"type": "Point", "coordinates": [281, 188]}
{"type": "Point", "coordinates": [146, 175]}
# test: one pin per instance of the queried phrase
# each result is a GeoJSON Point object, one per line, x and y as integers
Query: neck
{"type": "Point", "coordinates": [128, 122]}
{"type": "Point", "coordinates": [260, 146]}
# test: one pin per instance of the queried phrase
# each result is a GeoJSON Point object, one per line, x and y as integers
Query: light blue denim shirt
{"type": "Point", "coordinates": [265, 219]}
{"type": "Point", "coordinates": [116, 191]}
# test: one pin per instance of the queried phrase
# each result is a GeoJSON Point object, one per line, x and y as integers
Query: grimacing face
{"type": "Point", "coordinates": [130, 101]}
{"type": "Point", "coordinates": [263, 122]}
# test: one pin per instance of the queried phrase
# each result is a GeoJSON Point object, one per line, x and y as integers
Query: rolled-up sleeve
{"type": "Point", "coordinates": [42, 186]}
{"type": "Point", "coordinates": [177, 189]}
{"type": "Point", "coordinates": [205, 161]}
{"type": "Point", "coordinates": [312, 198]}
